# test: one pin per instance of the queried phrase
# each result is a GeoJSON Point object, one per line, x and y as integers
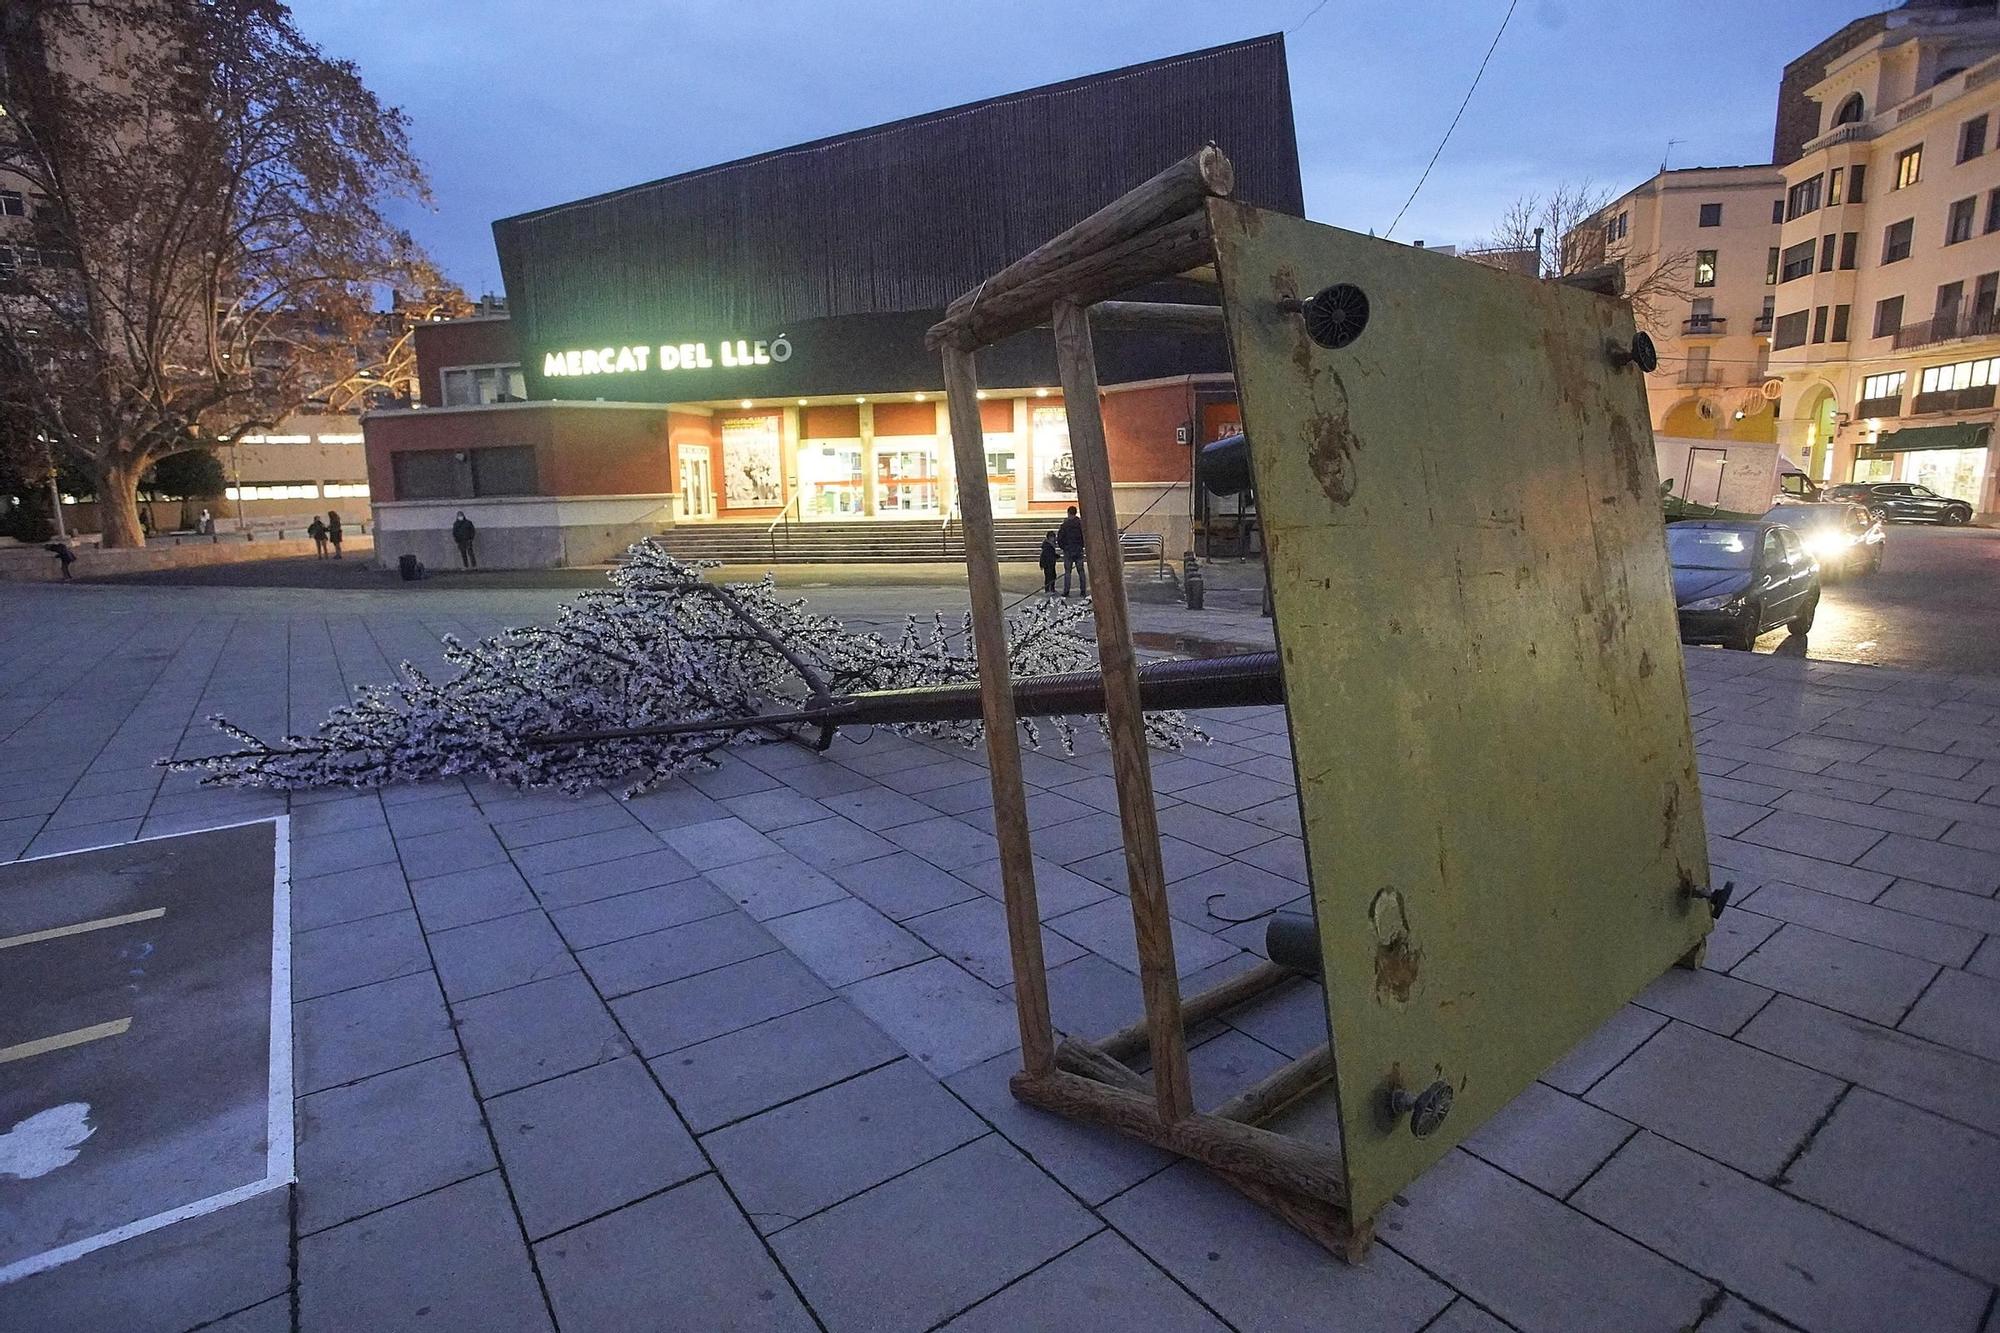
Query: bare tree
{"type": "Point", "coordinates": [206, 248]}
{"type": "Point", "coordinates": [1561, 234]}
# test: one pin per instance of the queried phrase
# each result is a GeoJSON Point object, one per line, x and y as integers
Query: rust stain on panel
{"type": "Point", "coordinates": [1331, 444]}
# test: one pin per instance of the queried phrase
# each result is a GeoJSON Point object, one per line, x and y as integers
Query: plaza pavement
{"type": "Point", "coordinates": [733, 1055]}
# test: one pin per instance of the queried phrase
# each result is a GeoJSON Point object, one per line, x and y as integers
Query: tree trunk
{"type": "Point", "coordinates": [118, 503]}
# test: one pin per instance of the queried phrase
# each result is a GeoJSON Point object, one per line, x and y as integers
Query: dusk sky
{"type": "Point", "coordinates": [515, 104]}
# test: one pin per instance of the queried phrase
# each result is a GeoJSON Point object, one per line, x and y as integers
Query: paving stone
{"type": "Point", "coordinates": [945, 842]}
{"type": "Point", "coordinates": [1091, 997]}
{"type": "Point", "coordinates": [941, 1014]}
{"type": "Point", "coordinates": [929, 777]}
{"type": "Point", "coordinates": [1895, 760]}
{"type": "Point", "coordinates": [794, 1160]}
{"type": "Point", "coordinates": [1919, 1179]}
{"type": "Point", "coordinates": [606, 879]}
{"type": "Point", "coordinates": [1751, 862]}
{"type": "Point", "coordinates": [1106, 929]}
{"type": "Point", "coordinates": [973, 934]}
{"type": "Point", "coordinates": [821, 780]}
{"type": "Point", "coordinates": [347, 895]}
{"type": "Point", "coordinates": [955, 799]}
{"type": "Point", "coordinates": [591, 817]}
{"type": "Point", "coordinates": [750, 1070]}
{"type": "Point", "coordinates": [1079, 839]}
{"type": "Point", "coordinates": [591, 849]}
{"type": "Point", "coordinates": [878, 808]}
{"type": "Point", "coordinates": [589, 1142]}
{"type": "Point", "coordinates": [1529, 1259]}
{"type": "Point", "coordinates": [1549, 1139]}
{"type": "Point", "coordinates": [272, 1316]}
{"type": "Point", "coordinates": [1230, 893]}
{"type": "Point", "coordinates": [774, 886]}
{"type": "Point", "coordinates": [355, 1033]}
{"type": "Point", "coordinates": [1217, 832]}
{"type": "Point", "coordinates": [1462, 1316]}
{"type": "Point", "coordinates": [1046, 809]}
{"type": "Point", "coordinates": [385, 1139]}
{"type": "Point", "coordinates": [627, 965]}
{"type": "Point", "coordinates": [605, 920]}
{"type": "Point", "coordinates": [683, 1260]}
{"type": "Point", "coordinates": [1841, 974]}
{"type": "Point", "coordinates": [1093, 1163]}
{"type": "Point", "coordinates": [732, 777]}
{"type": "Point", "coordinates": [1968, 811]}
{"type": "Point", "coordinates": [1734, 1316]}
{"type": "Point", "coordinates": [1735, 934]}
{"type": "Point", "coordinates": [1808, 1266]}
{"type": "Point", "coordinates": [1735, 789]}
{"type": "Point", "coordinates": [903, 885]}
{"type": "Point", "coordinates": [1811, 836]}
{"type": "Point", "coordinates": [1895, 780]}
{"type": "Point", "coordinates": [467, 896]}
{"type": "Point", "coordinates": [1869, 923]}
{"type": "Point", "coordinates": [349, 849]}
{"type": "Point", "coordinates": [827, 843]}
{"type": "Point", "coordinates": [681, 1013]}
{"type": "Point", "coordinates": [1938, 863]}
{"type": "Point", "coordinates": [913, 1251]}
{"type": "Point", "coordinates": [1101, 1286]}
{"type": "Point", "coordinates": [1291, 1017]}
{"type": "Point", "coordinates": [529, 1033]}
{"type": "Point", "coordinates": [448, 852]}
{"type": "Point", "coordinates": [1734, 1103]}
{"type": "Point", "coordinates": [1986, 962]}
{"type": "Point", "coordinates": [1887, 818]}
{"type": "Point", "coordinates": [1226, 1064]}
{"type": "Point", "coordinates": [1057, 889]}
{"type": "Point", "coordinates": [1226, 1249]}
{"type": "Point", "coordinates": [1961, 1010]}
{"type": "Point", "coordinates": [1178, 859]}
{"type": "Point", "coordinates": [493, 955]}
{"type": "Point", "coordinates": [1983, 837]}
{"type": "Point", "coordinates": [780, 807]}
{"type": "Point", "coordinates": [452, 1259]}
{"type": "Point", "coordinates": [1596, 1055]}
{"type": "Point", "coordinates": [356, 953]}
{"type": "Point", "coordinates": [1237, 792]}
{"type": "Point", "coordinates": [435, 816]}
{"type": "Point", "coordinates": [1705, 998]}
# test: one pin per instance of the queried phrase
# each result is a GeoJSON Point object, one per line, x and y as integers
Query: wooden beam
{"type": "Point", "coordinates": [1085, 1060]}
{"type": "Point", "coordinates": [1167, 249]}
{"type": "Point", "coordinates": [1003, 732]}
{"type": "Point", "coordinates": [1264, 1099]}
{"type": "Point", "coordinates": [1156, 317]}
{"type": "Point", "coordinates": [1197, 1009]}
{"type": "Point", "coordinates": [1131, 767]}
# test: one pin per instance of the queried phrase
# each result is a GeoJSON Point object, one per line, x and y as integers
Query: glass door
{"type": "Point", "coordinates": [1003, 472]}
{"type": "Point", "coordinates": [697, 484]}
{"type": "Point", "coordinates": [831, 480]}
{"type": "Point", "coordinates": [906, 477]}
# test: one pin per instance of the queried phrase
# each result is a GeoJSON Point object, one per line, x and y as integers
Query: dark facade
{"type": "Point", "coordinates": [836, 255]}
{"type": "Point", "coordinates": [1798, 115]}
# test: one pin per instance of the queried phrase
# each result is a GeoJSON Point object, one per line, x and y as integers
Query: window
{"type": "Point", "coordinates": [1958, 222]}
{"type": "Point", "coordinates": [1771, 266]}
{"type": "Point", "coordinates": [1624, 224]}
{"type": "Point", "coordinates": [1802, 198]}
{"type": "Point", "coordinates": [427, 474]}
{"type": "Point", "coordinates": [1993, 210]}
{"type": "Point", "coordinates": [1826, 243]}
{"type": "Point", "coordinates": [475, 386]}
{"type": "Point", "coordinates": [445, 474]}
{"type": "Point", "coordinates": [1839, 334]}
{"type": "Point", "coordinates": [1711, 215]}
{"type": "Point", "coordinates": [1909, 167]}
{"type": "Point", "coordinates": [1888, 317]}
{"type": "Point", "coordinates": [1972, 139]}
{"type": "Point", "coordinates": [1790, 331]}
{"type": "Point", "coordinates": [13, 204]}
{"type": "Point", "coordinates": [1833, 179]}
{"type": "Point", "coordinates": [282, 490]}
{"type": "Point", "coordinates": [1857, 175]}
{"type": "Point", "coordinates": [1849, 243]}
{"type": "Point", "coordinates": [1704, 268]}
{"type": "Point", "coordinates": [508, 471]}
{"type": "Point", "coordinates": [1777, 210]}
{"type": "Point", "coordinates": [1962, 375]}
{"type": "Point", "coordinates": [1849, 111]}
{"type": "Point", "coordinates": [1764, 316]}
{"type": "Point", "coordinates": [1984, 294]}
{"type": "Point", "coordinates": [1819, 324]}
{"type": "Point", "coordinates": [1944, 315]}
{"type": "Point", "coordinates": [345, 490]}
{"type": "Point", "coordinates": [1886, 385]}
{"type": "Point", "coordinates": [1696, 370]}
{"type": "Point", "coordinates": [1798, 261]}
{"type": "Point", "coordinates": [1896, 240]}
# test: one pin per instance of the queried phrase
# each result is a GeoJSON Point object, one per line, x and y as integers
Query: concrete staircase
{"type": "Point", "coordinates": [850, 541]}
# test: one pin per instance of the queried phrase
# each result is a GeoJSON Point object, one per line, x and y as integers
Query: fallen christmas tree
{"type": "Point", "coordinates": [662, 645]}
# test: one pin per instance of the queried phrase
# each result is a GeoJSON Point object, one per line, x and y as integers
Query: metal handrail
{"type": "Point", "coordinates": [944, 528]}
{"type": "Point", "coordinates": [784, 519]}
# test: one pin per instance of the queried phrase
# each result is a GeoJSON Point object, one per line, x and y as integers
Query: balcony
{"type": "Point", "coordinates": [1949, 326]}
{"type": "Point", "coordinates": [1840, 134]}
{"type": "Point", "coordinates": [1761, 324]}
{"type": "Point", "coordinates": [1953, 400]}
{"type": "Point", "coordinates": [1705, 326]}
{"type": "Point", "coordinates": [1889, 405]}
{"type": "Point", "coordinates": [1700, 375]}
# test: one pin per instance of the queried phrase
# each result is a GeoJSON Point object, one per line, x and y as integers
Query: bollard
{"type": "Point", "coordinates": [1191, 581]}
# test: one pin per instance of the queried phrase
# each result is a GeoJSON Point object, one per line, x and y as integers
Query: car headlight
{"type": "Point", "coordinates": [1824, 544]}
{"type": "Point", "coordinates": [1727, 602]}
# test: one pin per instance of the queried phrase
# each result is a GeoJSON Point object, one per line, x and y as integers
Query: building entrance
{"type": "Point", "coordinates": [831, 481]}
{"type": "Point", "coordinates": [697, 485]}
{"type": "Point", "coordinates": [906, 477]}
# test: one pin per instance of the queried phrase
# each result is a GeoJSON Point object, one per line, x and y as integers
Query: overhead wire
{"type": "Point", "coordinates": [1477, 75]}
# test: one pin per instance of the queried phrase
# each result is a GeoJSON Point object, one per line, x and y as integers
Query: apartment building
{"type": "Point", "coordinates": [1885, 347]}
{"type": "Point", "coordinates": [1696, 246]}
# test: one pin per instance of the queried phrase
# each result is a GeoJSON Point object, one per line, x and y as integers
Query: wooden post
{"type": "Point", "coordinates": [1131, 768]}
{"type": "Point", "coordinates": [996, 699]}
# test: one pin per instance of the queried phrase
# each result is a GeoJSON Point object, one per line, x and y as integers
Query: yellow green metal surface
{"type": "Point", "coordinates": [1481, 663]}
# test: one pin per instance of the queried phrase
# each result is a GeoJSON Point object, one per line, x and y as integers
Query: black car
{"type": "Point", "coordinates": [1904, 502]}
{"type": "Point", "coordinates": [1736, 579]}
{"type": "Point", "coordinates": [1844, 538]}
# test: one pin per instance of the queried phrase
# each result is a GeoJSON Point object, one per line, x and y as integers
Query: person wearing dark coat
{"type": "Point", "coordinates": [1070, 538]}
{"type": "Point", "coordinates": [317, 531]}
{"type": "Point", "coordinates": [333, 531]}
{"type": "Point", "coordinates": [462, 532]}
{"type": "Point", "coordinates": [1049, 551]}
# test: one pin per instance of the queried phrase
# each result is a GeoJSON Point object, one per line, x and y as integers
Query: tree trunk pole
{"type": "Point", "coordinates": [118, 503]}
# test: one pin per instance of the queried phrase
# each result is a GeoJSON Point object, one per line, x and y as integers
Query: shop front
{"type": "Point", "coordinates": [1954, 460]}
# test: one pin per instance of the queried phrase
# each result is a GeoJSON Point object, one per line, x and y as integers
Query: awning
{"type": "Point", "coordinates": [1964, 435]}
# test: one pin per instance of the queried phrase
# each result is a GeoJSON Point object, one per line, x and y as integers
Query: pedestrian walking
{"type": "Point", "coordinates": [1070, 538]}
{"type": "Point", "coordinates": [61, 551]}
{"type": "Point", "coordinates": [1049, 553]}
{"type": "Point", "coordinates": [463, 532]}
{"type": "Point", "coordinates": [333, 531]}
{"type": "Point", "coordinates": [206, 525]}
{"type": "Point", "coordinates": [317, 531]}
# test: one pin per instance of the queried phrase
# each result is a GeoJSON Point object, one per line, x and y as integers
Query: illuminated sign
{"type": "Point", "coordinates": [730, 352]}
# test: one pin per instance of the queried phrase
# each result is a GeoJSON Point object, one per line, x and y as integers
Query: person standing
{"type": "Point", "coordinates": [463, 532]}
{"type": "Point", "coordinates": [1070, 538]}
{"type": "Point", "coordinates": [317, 531]}
{"type": "Point", "coordinates": [1049, 564]}
{"type": "Point", "coordinates": [333, 530]}
{"type": "Point", "coordinates": [206, 527]}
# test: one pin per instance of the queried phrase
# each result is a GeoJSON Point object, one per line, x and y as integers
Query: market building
{"type": "Point", "coordinates": [742, 345]}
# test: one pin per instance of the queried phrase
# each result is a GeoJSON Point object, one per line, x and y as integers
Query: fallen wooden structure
{"type": "Point", "coordinates": [1460, 954]}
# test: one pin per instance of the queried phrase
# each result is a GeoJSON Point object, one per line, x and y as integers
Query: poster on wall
{"type": "Point", "coordinates": [750, 475]}
{"type": "Point", "coordinates": [1055, 467]}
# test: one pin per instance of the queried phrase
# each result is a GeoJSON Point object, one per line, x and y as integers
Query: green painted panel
{"type": "Point", "coordinates": [1481, 662]}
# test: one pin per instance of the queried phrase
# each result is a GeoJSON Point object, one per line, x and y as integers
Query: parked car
{"type": "Point", "coordinates": [1736, 580]}
{"type": "Point", "coordinates": [1904, 502]}
{"type": "Point", "coordinates": [1795, 487]}
{"type": "Point", "coordinates": [1844, 538]}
